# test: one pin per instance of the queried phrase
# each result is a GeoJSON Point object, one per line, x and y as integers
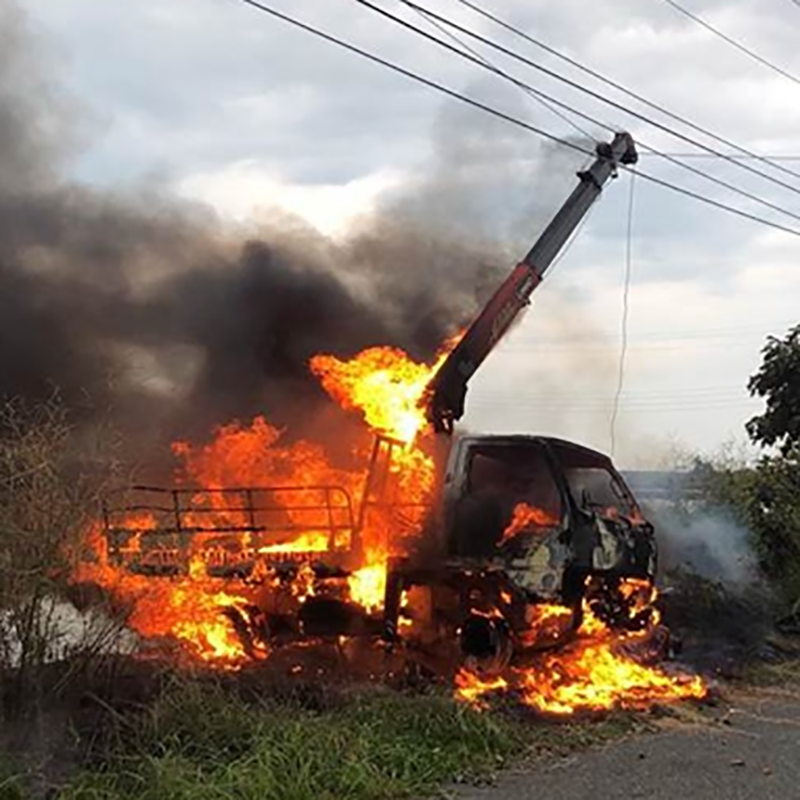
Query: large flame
{"type": "Point", "coordinates": [193, 609]}
{"type": "Point", "coordinates": [383, 384]}
{"type": "Point", "coordinates": [203, 611]}
{"type": "Point", "coordinates": [602, 669]}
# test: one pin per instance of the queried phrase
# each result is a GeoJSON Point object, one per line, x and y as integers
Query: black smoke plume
{"type": "Point", "coordinates": [149, 306]}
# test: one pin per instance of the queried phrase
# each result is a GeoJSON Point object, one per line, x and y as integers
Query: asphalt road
{"type": "Point", "coordinates": [749, 747]}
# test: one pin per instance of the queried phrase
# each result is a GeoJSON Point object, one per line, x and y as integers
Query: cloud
{"type": "Point", "coordinates": [232, 107]}
{"type": "Point", "coordinates": [250, 191]}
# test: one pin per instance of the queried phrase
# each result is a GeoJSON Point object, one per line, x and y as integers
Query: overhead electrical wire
{"type": "Point", "coordinates": [530, 91]}
{"type": "Point", "coordinates": [731, 155]}
{"type": "Point", "coordinates": [691, 334]}
{"type": "Point", "coordinates": [521, 84]}
{"type": "Point", "coordinates": [590, 92]}
{"type": "Point", "coordinates": [504, 116]}
{"type": "Point", "coordinates": [619, 87]}
{"type": "Point", "coordinates": [602, 409]}
{"type": "Point", "coordinates": [550, 102]}
{"type": "Point", "coordinates": [738, 45]}
{"type": "Point", "coordinates": [665, 399]}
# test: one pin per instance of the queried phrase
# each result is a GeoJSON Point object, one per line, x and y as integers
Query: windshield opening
{"type": "Point", "coordinates": [511, 490]}
{"type": "Point", "coordinates": [595, 486]}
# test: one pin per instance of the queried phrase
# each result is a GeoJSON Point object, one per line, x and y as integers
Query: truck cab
{"type": "Point", "coordinates": [524, 527]}
{"type": "Point", "coordinates": [561, 506]}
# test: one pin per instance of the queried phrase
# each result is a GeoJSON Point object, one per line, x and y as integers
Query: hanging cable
{"type": "Point", "coordinates": [521, 84]}
{"type": "Point", "coordinates": [625, 309]}
{"type": "Point", "coordinates": [738, 45]}
{"type": "Point", "coordinates": [507, 117]}
{"type": "Point", "coordinates": [619, 87]}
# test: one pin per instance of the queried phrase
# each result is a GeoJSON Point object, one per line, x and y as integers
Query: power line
{"type": "Point", "coordinates": [710, 394]}
{"type": "Point", "coordinates": [591, 93]}
{"type": "Point", "coordinates": [625, 308]}
{"type": "Point", "coordinates": [558, 350]}
{"type": "Point", "coordinates": [688, 334]}
{"type": "Point", "coordinates": [507, 117]}
{"type": "Point", "coordinates": [709, 27]}
{"type": "Point", "coordinates": [533, 93]}
{"type": "Point", "coordinates": [663, 401]}
{"type": "Point", "coordinates": [729, 155]}
{"type": "Point", "coordinates": [521, 84]}
{"type": "Point", "coordinates": [673, 335]}
{"type": "Point", "coordinates": [503, 401]}
{"type": "Point", "coordinates": [619, 87]}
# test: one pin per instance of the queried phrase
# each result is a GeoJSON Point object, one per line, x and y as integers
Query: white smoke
{"type": "Point", "coordinates": [710, 544]}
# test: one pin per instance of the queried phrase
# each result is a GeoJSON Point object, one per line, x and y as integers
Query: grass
{"type": "Point", "coordinates": [782, 673]}
{"type": "Point", "coordinates": [12, 785]}
{"type": "Point", "coordinates": [202, 741]}
{"type": "Point", "coordinates": [382, 746]}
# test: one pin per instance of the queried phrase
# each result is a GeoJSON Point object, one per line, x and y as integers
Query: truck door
{"type": "Point", "coordinates": [501, 480]}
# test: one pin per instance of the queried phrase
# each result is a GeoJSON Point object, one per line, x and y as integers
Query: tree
{"type": "Point", "coordinates": [768, 495]}
{"type": "Point", "coordinates": [778, 382]}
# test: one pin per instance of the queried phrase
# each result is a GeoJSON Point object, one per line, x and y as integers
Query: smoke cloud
{"type": "Point", "coordinates": [708, 544]}
{"type": "Point", "coordinates": [148, 305]}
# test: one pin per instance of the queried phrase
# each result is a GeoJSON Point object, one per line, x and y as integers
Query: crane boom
{"type": "Point", "coordinates": [446, 393]}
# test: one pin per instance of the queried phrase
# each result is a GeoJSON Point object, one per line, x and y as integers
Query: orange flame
{"type": "Point", "coordinates": [194, 608]}
{"type": "Point", "coordinates": [386, 386]}
{"type": "Point", "coordinates": [598, 671]}
{"type": "Point", "coordinates": [525, 517]}
{"type": "Point", "coordinates": [368, 586]}
{"type": "Point", "coordinates": [382, 383]}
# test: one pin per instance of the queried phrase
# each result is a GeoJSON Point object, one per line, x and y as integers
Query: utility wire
{"type": "Point", "coordinates": [521, 84]}
{"type": "Point", "coordinates": [625, 309]}
{"type": "Point", "coordinates": [534, 93]}
{"type": "Point", "coordinates": [506, 117]}
{"type": "Point", "coordinates": [529, 90]}
{"type": "Point", "coordinates": [593, 94]}
{"type": "Point", "coordinates": [709, 27]}
{"type": "Point", "coordinates": [619, 87]}
{"type": "Point", "coordinates": [731, 155]}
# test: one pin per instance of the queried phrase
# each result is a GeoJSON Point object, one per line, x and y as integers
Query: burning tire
{"type": "Point", "coordinates": [485, 644]}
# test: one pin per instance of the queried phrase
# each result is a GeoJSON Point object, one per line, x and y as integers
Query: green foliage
{"type": "Point", "coordinates": [51, 482]}
{"type": "Point", "coordinates": [764, 499]}
{"type": "Point", "coordinates": [12, 784]}
{"type": "Point", "coordinates": [778, 382]}
{"type": "Point", "coordinates": [200, 743]}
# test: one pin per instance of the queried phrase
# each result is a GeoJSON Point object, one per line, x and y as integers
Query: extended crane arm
{"type": "Point", "coordinates": [447, 390]}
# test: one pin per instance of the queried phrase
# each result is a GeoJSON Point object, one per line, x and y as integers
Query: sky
{"type": "Point", "coordinates": [212, 100]}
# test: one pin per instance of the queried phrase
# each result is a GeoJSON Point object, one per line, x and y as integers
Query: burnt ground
{"type": "Point", "coordinates": [745, 748]}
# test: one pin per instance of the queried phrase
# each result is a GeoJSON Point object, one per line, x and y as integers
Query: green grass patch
{"type": "Point", "coordinates": [205, 741]}
{"type": "Point", "coordinates": [12, 785]}
{"type": "Point", "coordinates": [203, 744]}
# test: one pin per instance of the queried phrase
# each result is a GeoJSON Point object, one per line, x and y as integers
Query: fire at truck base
{"type": "Point", "coordinates": [518, 564]}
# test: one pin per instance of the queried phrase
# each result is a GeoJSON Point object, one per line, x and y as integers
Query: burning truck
{"type": "Point", "coordinates": [466, 553]}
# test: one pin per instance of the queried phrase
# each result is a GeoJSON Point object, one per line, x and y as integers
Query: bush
{"type": "Point", "coordinates": [51, 483]}
{"type": "Point", "coordinates": [765, 499]}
